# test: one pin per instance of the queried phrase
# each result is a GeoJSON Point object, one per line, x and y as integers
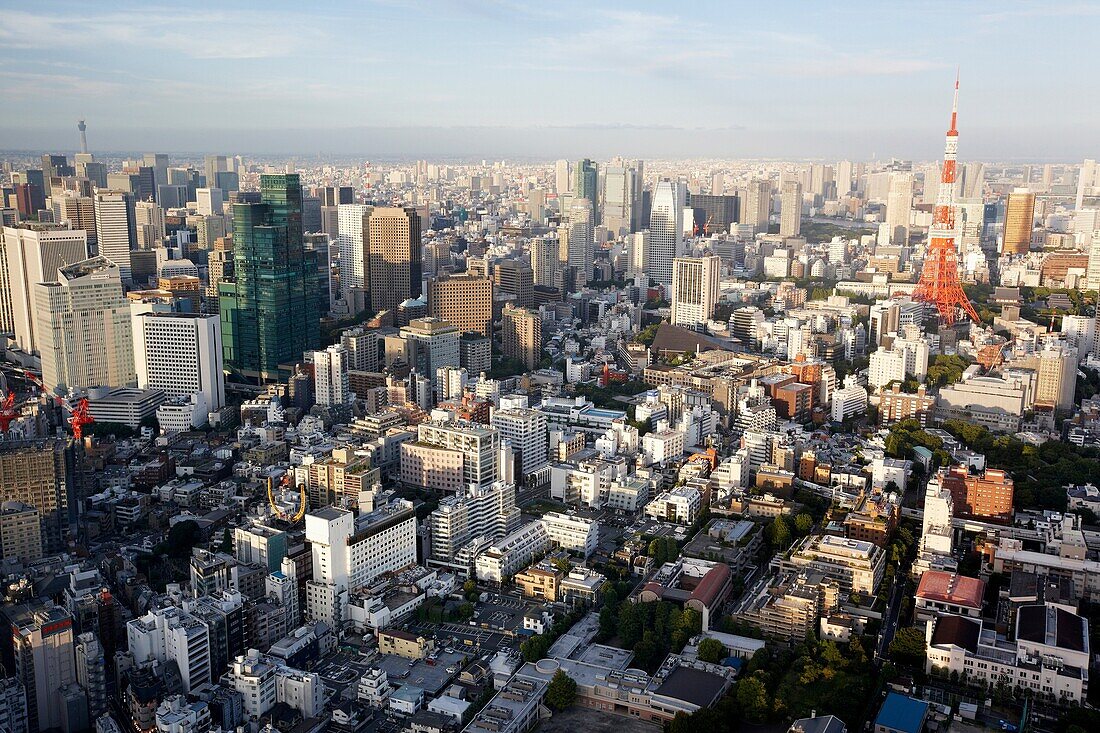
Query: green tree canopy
{"type": "Point", "coordinates": [712, 650]}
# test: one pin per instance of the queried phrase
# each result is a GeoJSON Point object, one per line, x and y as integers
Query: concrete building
{"type": "Point", "coordinates": [180, 354]}
{"type": "Point", "coordinates": [856, 565]}
{"type": "Point", "coordinates": [694, 290]}
{"type": "Point", "coordinates": [478, 446]}
{"type": "Point", "coordinates": [666, 230]}
{"type": "Point", "coordinates": [573, 533]}
{"type": "Point", "coordinates": [464, 301]}
{"type": "Point", "coordinates": [394, 269]}
{"type": "Point", "coordinates": [486, 511]}
{"type": "Point", "coordinates": [433, 344]}
{"type": "Point", "coordinates": [1019, 222]}
{"type": "Point", "coordinates": [790, 209]}
{"type": "Point", "coordinates": [330, 376]}
{"type": "Point", "coordinates": [116, 229]}
{"type": "Point", "coordinates": [39, 475]}
{"type": "Point", "coordinates": [172, 634]}
{"type": "Point", "coordinates": [91, 673]}
{"type": "Point", "coordinates": [525, 430]}
{"type": "Point", "coordinates": [681, 505]}
{"type": "Point", "coordinates": [45, 660]}
{"type": "Point", "coordinates": [20, 532]}
{"type": "Point", "coordinates": [83, 328]}
{"type": "Point", "coordinates": [30, 254]}
{"type": "Point", "coordinates": [351, 228]}
{"type": "Point", "coordinates": [986, 496]}
{"type": "Point", "coordinates": [513, 552]}
{"type": "Point", "coordinates": [521, 335]}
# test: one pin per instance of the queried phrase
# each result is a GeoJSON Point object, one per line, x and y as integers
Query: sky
{"type": "Point", "coordinates": [520, 79]}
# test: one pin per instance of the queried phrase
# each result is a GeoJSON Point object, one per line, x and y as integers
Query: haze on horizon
{"type": "Point", "coordinates": [505, 78]}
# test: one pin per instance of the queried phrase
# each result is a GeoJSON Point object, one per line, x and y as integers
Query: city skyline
{"type": "Point", "coordinates": [711, 81]}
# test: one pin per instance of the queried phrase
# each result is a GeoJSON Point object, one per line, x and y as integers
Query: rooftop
{"type": "Point", "coordinates": [902, 713]}
{"type": "Point", "coordinates": [951, 588]}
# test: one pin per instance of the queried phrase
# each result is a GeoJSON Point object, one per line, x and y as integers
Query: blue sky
{"type": "Point", "coordinates": [543, 79]}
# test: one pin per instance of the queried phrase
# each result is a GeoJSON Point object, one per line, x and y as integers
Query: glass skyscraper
{"type": "Point", "coordinates": [271, 312]}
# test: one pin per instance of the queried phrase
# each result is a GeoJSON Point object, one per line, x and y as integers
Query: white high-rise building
{"type": "Point", "coordinates": [639, 247]}
{"type": "Point", "coordinates": [181, 354]}
{"type": "Point", "coordinates": [30, 255]}
{"type": "Point", "coordinates": [481, 511]}
{"type": "Point", "coordinates": [172, 633]}
{"type": "Point", "coordinates": [351, 224]}
{"type": "Point", "coordinates": [450, 383]}
{"type": "Point", "coordinates": [666, 230]}
{"type": "Point", "coordinates": [330, 376]}
{"type": "Point", "coordinates": [116, 228]}
{"type": "Point", "coordinates": [209, 201]}
{"type": "Point", "coordinates": [478, 444]}
{"type": "Point", "coordinates": [45, 661]}
{"type": "Point", "coordinates": [148, 224]}
{"type": "Point", "coordinates": [563, 179]}
{"type": "Point", "coordinates": [83, 327]}
{"type": "Point", "coordinates": [899, 203]}
{"type": "Point", "coordinates": [1092, 276]}
{"type": "Point", "coordinates": [790, 209]}
{"type": "Point", "coordinates": [849, 401]}
{"type": "Point", "coordinates": [694, 290]}
{"type": "Point", "coordinates": [1088, 182]}
{"type": "Point", "coordinates": [525, 430]}
{"type": "Point", "coordinates": [937, 535]}
{"type": "Point", "coordinates": [886, 365]}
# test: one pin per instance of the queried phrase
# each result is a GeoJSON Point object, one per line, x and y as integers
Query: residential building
{"type": "Point", "coordinates": [790, 209]}
{"type": "Point", "coordinates": [856, 565]}
{"type": "Point", "coordinates": [20, 532]}
{"type": "Point", "coordinates": [790, 608]}
{"type": "Point", "coordinates": [330, 376]}
{"type": "Point", "coordinates": [351, 238]}
{"type": "Point", "coordinates": [525, 430]}
{"type": "Point", "coordinates": [513, 552]}
{"type": "Point", "coordinates": [681, 505]}
{"type": "Point", "coordinates": [403, 644]}
{"type": "Point", "coordinates": [91, 673]}
{"type": "Point", "coordinates": [521, 335]}
{"type": "Point", "coordinates": [464, 301]}
{"type": "Point", "coordinates": [172, 633]}
{"type": "Point", "coordinates": [573, 533]}
{"type": "Point", "coordinates": [694, 290]}
{"type": "Point", "coordinates": [478, 446]}
{"type": "Point", "coordinates": [987, 496]}
{"type": "Point", "coordinates": [38, 474]}
{"type": "Point", "coordinates": [479, 511]}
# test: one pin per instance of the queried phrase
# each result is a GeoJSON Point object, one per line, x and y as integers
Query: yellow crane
{"type": "Point", "coordinates": [290, 518]}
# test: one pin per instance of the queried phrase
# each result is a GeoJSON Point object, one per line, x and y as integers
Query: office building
{"type": "Point", "coordinates": [180, 354]}
{"type": "Point", "coordinates": [40, 475]}
{"type": "Point", "coordinates": [260, 545]}
{"type": "Point", "coordinates": [30, 254]}
{"type": "Point", "coordinates": [78, 211]}
{"type": "Point", "coordinates": [521, 335]}
{"type": "Point", "coordinates": [351, 237]}
{"type": "Point", "coordinates": [666, 231]}
{"type": "Point", "coordinates": [1019, 222]}
{"type": "Point", "coordinates": [116, 228]}
{"type": "Point", "coordinates": [433, 345]}
{"type": "Point", "coordinates": [45, 660]}
{"type": "Point", "coordinates": [13, 706]}
{"type": "Point", "coordinates": [717, 212]}
{"type": "Point", "coordinates": [571, 532]}
{"type": "Point", "coordinates": [694, 290]}
{"type": "Point", "coordinates": [209, 201]}
{"type": "Point", "coordinates": [330, 376]}
{"type": "Point", "coordinates": [464, 301]}
{"type": "Point", "coordinates": [172, 633]}
{"type": "Point", "coordinates": [394, 267]}
{"type": "Point", "coordinates": [545, 262]}
{"type": "Point", "coordinates": [790, 209]}
{"type": "Point", "coordinates": [757, 205]}
{"type": "Point", "coordinates": [83, 329]}
{"type": "Point", "coordinates": [271, 312]}
{"type": "Point", "coordinates": [20, 532]}
{"type": "Point", "coordinates": [621, 198]}
{"type": "Point", "coordinates": [525, 431]}
{"type": "Point", "coordinates": [585, 182]}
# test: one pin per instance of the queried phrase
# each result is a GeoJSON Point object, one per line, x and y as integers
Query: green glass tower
{"type": "Point", "coordinates": [271, 312]}
{"type": "Point", "coordinates": [585, 184]}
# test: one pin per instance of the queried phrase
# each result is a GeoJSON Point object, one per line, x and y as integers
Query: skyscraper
{"type": "Point", "coordinates": [464, 301]}
{"type": "Point", "coordinates": [351, 228]}
{"type": "Point", "coordinates": [38, 475]}
{"type": "Point", "coordinates": [666, 230]}
{"type": "Point", "coordinates": [181, 354]}
{"type": "Point", "coordinates": [79, 212]}
{"type": "Point", "coordinates": [563, 181]}
{"type": "Point", "coordinates": [899, 202]}
{"type": "Point", "coordinates": [394, 269]}
{"type": "Point", "coordinates": [621, 197]}
{"type": "Point", "coordinates": [1088, 182]}
{"type": "Point", "coordinates": [330, 376]}
{"type": "Point", "coordinates": [522, 335]}
{"type": "Point", "coordinates": [45, 659]}
{"type": "Point", "coordinates": [271, 312]}
{"type": "Point", "coordinates": [30, 254]}
{"type": "Point", "coordinates": [545, 263]}
{"type": "Point", "coordinates": [586, 185]}
{"type": "Point", "coordinates": [83, 327]}
{"type": "Point", "coordinates": [435, 345]}
{"type": "Point", "coordinates": [790, 209]}
{"type": "Point", "coordinates": [579, 246]}
{"type": "Point", "coordinates": [1019, 222]}
{"type": "Point", "coordinates": [694, 290]}
{"type": "Point", "coordinates": [515, 278]}
{"type": "Point", "coordinates": [116, 229]}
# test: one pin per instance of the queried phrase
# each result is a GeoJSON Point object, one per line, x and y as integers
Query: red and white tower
{"type": "Point", "coordinates": [939, 277]}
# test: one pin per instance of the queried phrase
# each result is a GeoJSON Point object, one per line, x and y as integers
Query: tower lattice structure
{"type": "Point", "coordinates": [939, 277]}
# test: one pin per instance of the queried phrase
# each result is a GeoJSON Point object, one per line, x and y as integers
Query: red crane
{"type": "Point", "coordinates": [939, 278]}
{"type": "Point", "coordinates": [78, 413]}
{"type": "Point", "coordinates": [7, 412]}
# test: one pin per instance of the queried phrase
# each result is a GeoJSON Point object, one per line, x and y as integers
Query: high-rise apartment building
{"type": "Point", "coordinates": [83, 328]}
{"type": "Point", "coordinates": [91, 673]}
{"type": "Point", "coordinates": [1019, 222]}
{"type": "Point", "coordinates": [545, 262]}
{"type": "Point", "coordinates": [45, 659]}
{"type": "Point", "coordinates": [464, 301]}
{"type": "Point", "coordinates": [181, 354]}
{"type": "Point", "coordinates": [30, 254]}
{"type": "Point", "coordinates": [479, 511]}
{"type": "Point", "coordinates": [517, 279]}
{"type": "Point", "coordinates": [666, 230]}
{"type": "Point", "coordinates": [394, 266]}
{"type": "Point", "coordinates": [479, 446]}
{"type": "Point", "coordinates": [525, 430]}
{"type": "Point", "coordinates": [757, 206]}
{"type": "Point", "coordinates": [522, 335]}
{"type": "Point", "coordinates": [790, 209]}
{"type": "Point", "coordinates": [576, 240]}
{"type": "Point", "coordinates": [20, 532]}
{"type": "Point", "coordinates": [694, 290]}
{"type": "Point", "coordinates": [116, 228]}
{"type": "Point", "coordinates": [40, 475]}
{"type": "Point", "coordinates": [271, 312]}
{"type": "Point", "coordinates": [330, 376]}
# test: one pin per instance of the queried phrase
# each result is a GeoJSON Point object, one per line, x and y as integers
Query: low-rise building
{"type": "Point", "coordinates": [403, 644]}
{"type": "Point", "coordinates": [940, 593]}
{"type": "Point", "coordinates": [681, 505]}
{"type": "Point", "coordinates": [856, 565]}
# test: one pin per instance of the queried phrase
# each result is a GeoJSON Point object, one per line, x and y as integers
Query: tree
{"type": "Point", "coordinates": [470, 586]}
{"type": "Point", "coordinates": [561, 692]}
{"type": "Point", "coordinates": [711, 650]}
{"type": "Point", "coordinates": [803, 523]}
{"type": "Point", "coordinates": [182, 537]}
{"type": "Point", "coordinates": [908, 647]}
{"type": "Point", "coordinates": [752, 697]}
{"type": "Point", "coordinates": [561, 564]}
{"type": "Point", "coordinates": [465, 612]}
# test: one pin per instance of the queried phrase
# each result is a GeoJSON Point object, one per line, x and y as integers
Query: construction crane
{"type": "Point", "coordinates": [706, 226]}
{"type": "Point", "coordinates": [284, 486]}
{"type": "Point", "coordinates": [79, 416]}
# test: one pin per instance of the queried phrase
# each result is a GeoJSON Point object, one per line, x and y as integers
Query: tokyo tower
{"type": "Point", "coordinates": [939, 277]}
